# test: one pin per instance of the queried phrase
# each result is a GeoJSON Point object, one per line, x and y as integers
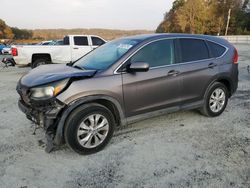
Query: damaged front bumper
{"type": "Point", "coordinates": [44, 115]}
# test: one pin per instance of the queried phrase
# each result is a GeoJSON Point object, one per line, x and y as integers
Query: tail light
{"type": "Point", "coordinates": [14, 51]}
{"type": "Point", "coordinates": [236, 57]}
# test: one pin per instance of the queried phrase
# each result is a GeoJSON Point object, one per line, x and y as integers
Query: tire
{"type": "Point", "coordinates": [214, 105]}
{"type": "Point", "coordinates": [39, 62]}
{"type": "Point", "coordinates": [78, 128]}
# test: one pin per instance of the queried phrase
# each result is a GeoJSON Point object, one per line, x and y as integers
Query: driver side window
{"type": "Point", "coordinates": [159, 53]}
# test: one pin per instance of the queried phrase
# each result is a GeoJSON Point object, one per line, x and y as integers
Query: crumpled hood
{"type": "Point", "coordinates": [49, 73]}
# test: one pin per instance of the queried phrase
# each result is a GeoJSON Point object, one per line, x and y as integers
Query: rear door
{"type": "Point", "coordinates": [197, 68]}
{"type": "Point", "coordinates": [80, 47]}
{"type": "Point", "coordinates": [159, 87]}
{"type": "Point", "coordinates": [61, 53]}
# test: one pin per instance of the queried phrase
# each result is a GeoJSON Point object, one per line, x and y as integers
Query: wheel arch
{"type": "Point", "coordinates": [45, 56]}
{"type": "Point", "coordinates": [224, 80]}
{"type": "Point", "coordinates": [112, 104]}
{"type": "Point", "coordinates": [228, 83]}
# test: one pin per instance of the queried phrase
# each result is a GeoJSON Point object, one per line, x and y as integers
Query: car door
{"type": "Point", "coordinates": [61, 53]}
{"type": "Point", "coordinates": [157, 88]}
{"type": "Point", "coordinates": [96, 42]}
{"type": "Point", "coordinates": [197, 68]}
{"type": "Point", "coordinates": [80, 47]}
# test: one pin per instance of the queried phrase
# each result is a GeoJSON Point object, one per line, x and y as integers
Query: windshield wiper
{"type": "Point", "coordinates": [70, 63]}
{"type": "Point", "coordinates": [78, 67]}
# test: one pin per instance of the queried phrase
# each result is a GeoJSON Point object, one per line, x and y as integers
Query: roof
{"type": "Point", "coordinates": [177, 35]}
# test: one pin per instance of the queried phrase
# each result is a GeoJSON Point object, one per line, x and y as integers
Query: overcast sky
{"type": "Point", "coordinates": [113, 14]}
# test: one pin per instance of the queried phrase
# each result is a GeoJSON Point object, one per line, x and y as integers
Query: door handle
{"type": "Point", "coordinates": [212, 65]}
{"type": "Point", "coordinates": [173, 73]}
{"type": "Point", "coordinates": [75, 48]}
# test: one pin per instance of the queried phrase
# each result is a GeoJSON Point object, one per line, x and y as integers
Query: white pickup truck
{"type": "Point", "coordinates": [73, 47]}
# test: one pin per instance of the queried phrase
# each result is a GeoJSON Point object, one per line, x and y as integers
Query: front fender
{"type": "Point", "coordinates": [59, 138]}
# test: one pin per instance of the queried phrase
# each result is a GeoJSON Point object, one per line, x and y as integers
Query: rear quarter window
{"type": "Point", "coordinates": [216, 49]}
{"type": "Point", "coordinates": [97, 41]}
{"type": "Point", "coordinates": [66, 41]}
{"type": "Point", "coordinates": [193, 50]}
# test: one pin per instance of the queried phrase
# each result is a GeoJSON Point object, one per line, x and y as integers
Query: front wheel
{"type": "Point", "coordinates": [89, 128]}
{"type": "Point", "coordinates": [215, 100]}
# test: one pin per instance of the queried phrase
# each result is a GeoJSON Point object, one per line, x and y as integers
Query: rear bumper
{"type": "Point", "coordinates": [21, 61]}
{"type": "Point", "coordinates": [234, 88]}
{"type": "Point", "coordinates": [235, 78]}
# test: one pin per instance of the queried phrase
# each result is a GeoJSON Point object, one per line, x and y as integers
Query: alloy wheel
{"type": "Point", "coordinates": [217, 100]}
{"type": "Point", "coordinates": [92, 131]}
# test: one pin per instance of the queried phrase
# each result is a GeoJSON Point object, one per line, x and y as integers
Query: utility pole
{"type": "Point", "coordinates": [228, 21]}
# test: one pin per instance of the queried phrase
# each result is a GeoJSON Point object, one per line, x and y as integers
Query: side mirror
{"type": "Point", "coordinates": [138, 67]}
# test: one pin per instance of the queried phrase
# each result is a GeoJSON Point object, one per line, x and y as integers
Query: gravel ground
{"type": "Point", "coordinates": [182, 149]}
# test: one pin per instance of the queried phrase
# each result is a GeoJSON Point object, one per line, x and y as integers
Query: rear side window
{"type": "Point", "coordinates": [81, 41]}
{"type": "Point", "coordinates": [193, 50]}
{"type": "Point", "coordinates": [156, 54]}
{"type": "Point", "coordinates": [97, 41]}
{"type": "Point", "coordinates": [216, 49]}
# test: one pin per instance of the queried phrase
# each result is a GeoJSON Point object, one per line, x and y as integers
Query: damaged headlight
{"type": "Point", "coordinates": [48, 91]}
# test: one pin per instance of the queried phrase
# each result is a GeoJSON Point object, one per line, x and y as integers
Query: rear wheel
{"type": "Point", "coordinates": [89, 128]}
{"type": "Point", "coordinates": [215, 100]}
{"type": "Point", "coordinates": [39, 62]}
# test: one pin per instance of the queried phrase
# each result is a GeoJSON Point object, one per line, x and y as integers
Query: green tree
{"type": "Point", "coordinates": [192, 16]}
{"type": "Point", "coordinates": [243, 19]}
{"type": "Point", "coordinates": [21, 33]}
{"type": "Point", "coordinates": [5, 30]}
{"type": "Point", "coordinates": [207, 17]}
{"type": "Point", "coordinates": [169, 23]}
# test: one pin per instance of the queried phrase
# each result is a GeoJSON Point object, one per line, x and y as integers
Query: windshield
{"type": "Point", "coordinates": [106, 55]}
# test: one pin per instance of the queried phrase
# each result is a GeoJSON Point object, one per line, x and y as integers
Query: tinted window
{"type": "Point", "coordinates": [66, 41]}
{"type": "Point", "coordinates": [97, 41]}
{"type": "Point", "coordinates": [81, 41]}
{"type": "Point", "coordinates": [193, 50]}
{"type": "Point", "coordinates": [156, 54]}
{"type": "Point", "coordinates": [216, 49]}
{"type": "Point", "coordinates": [59, 42]}
{"type": "Point", "coordinates": [46, 43]}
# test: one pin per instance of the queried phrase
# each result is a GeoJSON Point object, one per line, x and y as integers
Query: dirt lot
{"type": "Point", "coordinates": [182, 149]}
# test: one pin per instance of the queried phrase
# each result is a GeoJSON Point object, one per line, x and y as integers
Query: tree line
{"type": "Point", "coordinates": [185, 16]}
{"type": "Point", "coordinates": [207, 17]}
{"type": "Point", "coordinates": [108, 34]}
{"type": "Point", "coordinates": [37, 35]}
{"type": "Point", "coordinates": [7, 32]}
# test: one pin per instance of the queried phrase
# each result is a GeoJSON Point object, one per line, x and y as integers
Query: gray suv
{"type": "Point", "coordinates": [127, 80]}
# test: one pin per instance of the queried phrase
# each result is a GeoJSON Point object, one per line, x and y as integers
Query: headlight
{"type": "Point", "coordinates": [48, 91]}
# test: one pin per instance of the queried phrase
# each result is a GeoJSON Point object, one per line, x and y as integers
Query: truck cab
{"type": "Point", "coordinates": [72, 48]}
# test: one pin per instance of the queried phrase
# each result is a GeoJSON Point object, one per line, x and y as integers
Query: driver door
{"type": "Point", "coordinates": [159, 87]}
